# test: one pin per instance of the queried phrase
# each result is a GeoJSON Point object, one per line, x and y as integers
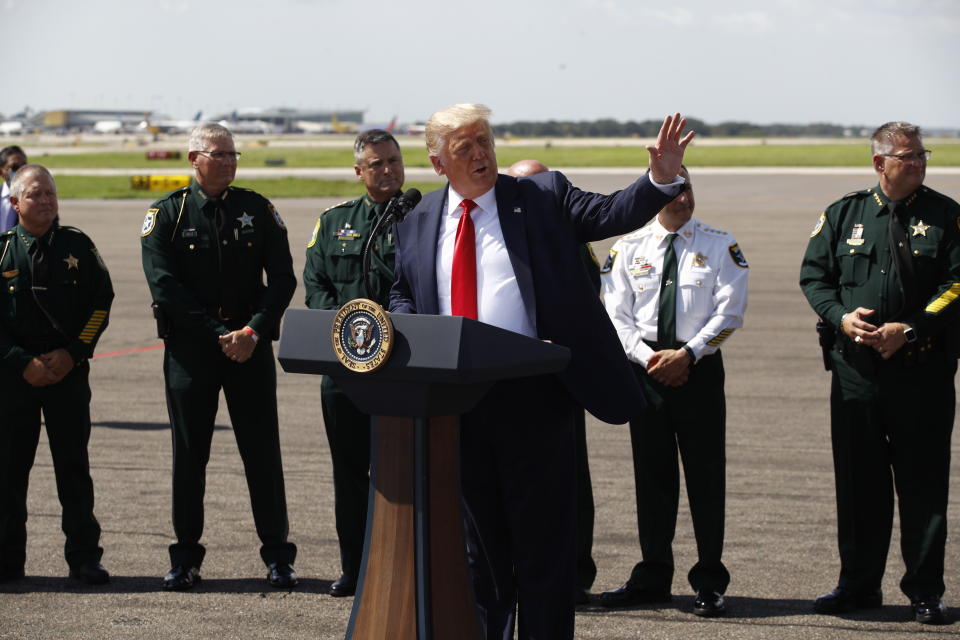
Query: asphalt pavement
{"type": "Point", "coordinates": [780, 534]}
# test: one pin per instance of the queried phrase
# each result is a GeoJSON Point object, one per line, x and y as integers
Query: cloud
{"type": "Point", "coordinates": [752, 22]}
{"type": "Point", "coordinates": [175, 7]}
{"type": "Point", "coordinates": [678, 17]}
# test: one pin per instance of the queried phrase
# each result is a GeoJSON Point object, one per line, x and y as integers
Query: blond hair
{"type": "Point", "coordinates": [445, 121]}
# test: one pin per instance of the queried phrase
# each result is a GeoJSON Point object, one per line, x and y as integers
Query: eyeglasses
{"type": "Point", "coordinates": [220, 156]}
{"type": "Point", "coordinates": [919, 157]}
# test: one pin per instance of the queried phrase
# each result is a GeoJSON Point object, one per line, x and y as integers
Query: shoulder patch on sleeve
{"type": "Point", "coordinates": [149, 223]}
{"type": "Point", "coordinates": [608, 265]}
{"type": "Point", "coordinates": [819, 226]}
{"type": "Point", "coordinates": [316, 232]}
{"type": "Point", "coordinates": [276, 216]}
{"type": "Point", "coordinates": [100, 262]}
{"type": "Point", "coordinates": [736, 254]}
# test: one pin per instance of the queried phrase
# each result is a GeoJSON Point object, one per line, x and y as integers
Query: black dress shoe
{"type": "Point", "coordinates": [181, 578]}
{"type": "Point", "coordinates": [282, 576]}
{"type": "Point", "coordinates": [8, 575]}
{"type": "Point", "coordinates": [709, 604]}
{"type": "Point", "coordinates": [841, 600]}
{"type": "Point", "coordinates": [343, 586]}
{"type": "Point", "coordinates": [630, 595]}
{"type": "Point", "coordinates": [90, 573]}
{"type": "Point", "coordinates": [929, 610]}
{"type": "Point", "coordinates": [582, 596]}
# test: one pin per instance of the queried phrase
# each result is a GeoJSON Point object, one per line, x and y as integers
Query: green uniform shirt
{"type": "Point", "coordinates": [207, 277]}
{"type": "Point", "coordinates": [849, 264]}
{"type": "Point", "coordinates": [333, 274]}
{"type": "Point", "coordinates": [70, 313]}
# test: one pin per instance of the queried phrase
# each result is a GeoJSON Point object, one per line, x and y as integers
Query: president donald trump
{"type": "Point", "coordinates": [505, 251]}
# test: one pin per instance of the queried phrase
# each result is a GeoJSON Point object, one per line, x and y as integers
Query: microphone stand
{"type": "Point", "coordinates": [378, 229]}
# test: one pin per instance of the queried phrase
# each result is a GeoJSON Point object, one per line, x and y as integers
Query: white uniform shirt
{"type": "Point", "coordinates": [711, 296]}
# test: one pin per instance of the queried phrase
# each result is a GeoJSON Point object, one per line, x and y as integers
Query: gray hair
{"type": "Point", "coordinates": [371, 137]}
{"type": "Point", "coordinates": [445, 121]}
{"type": "Point", "coordinates": [206, 132]}
{"type": "Point", "coordinates": [26, 173]}
{"type": "Point", "coordinates": [882, 140]}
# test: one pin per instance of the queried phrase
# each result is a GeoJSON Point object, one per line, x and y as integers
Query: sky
{"type": "Point", "coordinates": [853, 62]}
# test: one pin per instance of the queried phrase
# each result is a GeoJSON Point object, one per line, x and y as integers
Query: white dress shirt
{"type": "Point", "coordinates": [8, 217]}
{"type": "Point", "coordinates": [498, 294]}
{"type": "Point", "coordinates": [711, 293]}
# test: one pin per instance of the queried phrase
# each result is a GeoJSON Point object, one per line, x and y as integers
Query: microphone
{"type": "Point", "coordinates": [395, 210]}
{"type": "Point", "coordinates": [403, 204]}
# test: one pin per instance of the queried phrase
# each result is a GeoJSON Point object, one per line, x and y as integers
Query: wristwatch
{"type": "Point", "coordinates": [910, 334]}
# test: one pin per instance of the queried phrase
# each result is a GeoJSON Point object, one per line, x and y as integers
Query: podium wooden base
{"type": "Point", "coordinates": [414, 582]}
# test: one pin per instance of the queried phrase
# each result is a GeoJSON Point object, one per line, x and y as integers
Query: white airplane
{"type": "Point", "coordinates": [168, 125]}
{"type": "Point", "coordinates": [107, 126]}
{"type": "Point", "coordinates": [237, 125]}
{"type": "Point", "coordinates": [11, 127]}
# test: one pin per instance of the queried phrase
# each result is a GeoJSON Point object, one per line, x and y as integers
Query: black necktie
{"type": "Point", "coordinates": [39, 264]}
{"type": "Point", "coordinates": [667, 312]}
{"type": "Point", "coordinates": [903, 261]}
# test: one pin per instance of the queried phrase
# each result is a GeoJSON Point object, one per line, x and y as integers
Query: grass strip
{"type": "Point", "coordinates": [814, 155]}
{"type": "Point", "coordinates": [118, 187]}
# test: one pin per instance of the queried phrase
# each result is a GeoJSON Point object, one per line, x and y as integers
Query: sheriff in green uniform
{"type": "Point", "coordinates": [333, 275]}
{"type": "Point", "coordinates": [54, 307]}
{"type": "Point", "coordinates": [205, 251]}
{"type": "Point", "coordinates": [882, 269]}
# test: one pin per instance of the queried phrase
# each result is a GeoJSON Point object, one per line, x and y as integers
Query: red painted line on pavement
{"type": "Point", "coordinates": [124, 352]}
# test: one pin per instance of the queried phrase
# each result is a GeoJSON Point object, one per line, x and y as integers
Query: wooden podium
{"type": "Point", "coordinates": [414, 583]}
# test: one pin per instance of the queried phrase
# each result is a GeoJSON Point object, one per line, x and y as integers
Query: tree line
{"type": "Point", "coordinates": [610, 128]}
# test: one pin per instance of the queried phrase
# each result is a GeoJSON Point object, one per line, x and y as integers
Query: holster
{"type": "Point", "coordinates": [164, 326]}
{"type": "Point", "coordinates": [828, 337]}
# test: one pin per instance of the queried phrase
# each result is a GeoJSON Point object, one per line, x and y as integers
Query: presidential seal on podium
{"type": "Point", "coordinates": [362, 335]}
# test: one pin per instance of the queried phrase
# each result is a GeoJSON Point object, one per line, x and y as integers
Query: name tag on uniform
{"type": "Point", "coordinates": [11, 274]}
{"type": "Point", "coordinates": [188, 233]}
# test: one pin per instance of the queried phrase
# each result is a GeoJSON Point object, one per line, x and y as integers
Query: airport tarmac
{"type": "Point", "coordinates": [780, 534]}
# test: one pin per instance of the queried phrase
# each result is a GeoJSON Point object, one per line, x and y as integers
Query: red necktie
{"type": "Point", "coordinates": [463, 279]}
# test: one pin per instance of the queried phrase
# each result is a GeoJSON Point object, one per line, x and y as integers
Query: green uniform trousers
{"type": "Point", "coordinates": [66, 412]}
{"type": "Point", "coordinates": [891, 432]}
{"type": "Point", "coordinates": [195, 371]}
{"type": "Point", "coordinates": [348, 434]}
{"type": "Point", "coordinates": [692, 419]}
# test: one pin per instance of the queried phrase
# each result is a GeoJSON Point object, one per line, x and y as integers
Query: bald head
{"type": "Point", "coordinates": [524, 168]}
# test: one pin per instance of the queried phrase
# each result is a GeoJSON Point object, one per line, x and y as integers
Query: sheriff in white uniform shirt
{"type": "Point", "coordinates": [675, 290]}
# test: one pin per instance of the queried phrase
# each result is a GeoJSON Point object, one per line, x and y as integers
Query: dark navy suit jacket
{"type": "Point", "coordinates": [544, 220]}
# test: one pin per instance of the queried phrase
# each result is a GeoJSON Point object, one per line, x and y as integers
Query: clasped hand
{"type": "Point", "coordinates": [237, 345]}
{"type": "Point", "coordinates": [886, 339]}
{"type": "Point", "coordinates": [48, 368]}
{"type": "Point", "coordinates": [670, 367]}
